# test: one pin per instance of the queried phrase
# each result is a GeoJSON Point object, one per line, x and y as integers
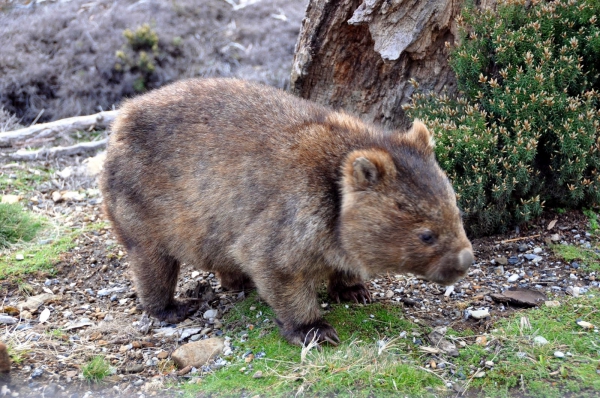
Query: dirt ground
{"type": "Point", "coordinates": [93, 309]}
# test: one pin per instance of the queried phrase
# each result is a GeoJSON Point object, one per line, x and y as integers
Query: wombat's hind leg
{"type": "Point", "coordinates": [235, 281]}
{"type": "Point", "coordinates": [156, 280]}
{"type": "Point", "coordinates": [319, 331]}
{"type": "Point", "coordinates": [343, 286]}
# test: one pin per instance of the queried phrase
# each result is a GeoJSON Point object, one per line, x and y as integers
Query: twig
{"type": "Point", "coordinates": [521, 238]}
{"type": "Point", "coordinates": [58, 151]}
{"type": "Point", "coordinates": [37, 117]}
{"type": "Point", "coordinates": [100, 120]}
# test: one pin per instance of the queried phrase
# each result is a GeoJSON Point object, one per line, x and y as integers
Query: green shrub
{"type": "Point", "coordinates": [524, 131]}
{"type": "Point", "coordinates": [16, 224]}
{"type": "Point", "coordinates": [139, 55]}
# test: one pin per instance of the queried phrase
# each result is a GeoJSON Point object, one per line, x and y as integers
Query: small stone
{"type": "Point", "coordinates": [249, 358]}
{"type": "Point", "coordinates": [7, 320]}
{"type": "Point", "coordinates": [211, 314]}
{"type": "Point", "coordinates": [501, 260]}
{"type": "Point", "coordinates": [10, 199]}
{"type": "Point", "coordinates": [585, 324]}
{"type": "Point", "coordinates": [559, 354]}
{"type": "Point", "coordinates": [258, 375]}
{"type": "Point", "coordinates": [523, 248]}
{"type": "Point", "coordinates": [479, 374]}
{"type": "Point", "coordinates": [162, 355]}
{"type": "Point", "coordinates": [479, 314]}
{"type": "Point", "coordinates": [389, 294]}
{"type": "Point", "coordinates": [513, 278]}
{"type": "Point", "coordinates": [449, 291]}
{"type": "Point", "coordinates": [19, 257]}
{"type": "Point", "coordinates": [481, 340]}
{"type": "Point", "coordinates": [537, 250]}
{"type": "Point", "coordinates": [37, 372]}
{"type": "Point", "coordinates": [489, 364]}
{"type": "Point", "coordinates": [573, 291]}
{"type": "Point", "coordinates": [552, 303]}
{"type": "Point", "coordinates": [513, 260]}
{"type": "Point", "coordinates": [555, 237]}
{"type": "Point", "coordinates": [540, 340]}
{"type": "Point", "coordinates": [197, 353]}
{"type": "Point", "coordinates": [499, 270]}
{"type": "Point", "coordinates": [135, 368]}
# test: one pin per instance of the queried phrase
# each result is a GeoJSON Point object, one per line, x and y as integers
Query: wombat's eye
{"type": "Point", "coordinates": [427, 237]}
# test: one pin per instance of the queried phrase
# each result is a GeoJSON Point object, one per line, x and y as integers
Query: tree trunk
{"type": "Point", "coordinates": [360, 55]}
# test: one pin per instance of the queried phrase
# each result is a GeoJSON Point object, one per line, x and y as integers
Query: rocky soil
{"type": "Point", "coordinates": [89, 307]}
{"type": "Point", "coordinates": [58, 322]}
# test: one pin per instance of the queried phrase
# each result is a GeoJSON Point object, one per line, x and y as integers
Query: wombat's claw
{"type": "Point", "coordinates": [178, 311]}
{"type": "Point", "coordinates": [319, 332]}
{"type": "Point", "coordinates": [357, 293]}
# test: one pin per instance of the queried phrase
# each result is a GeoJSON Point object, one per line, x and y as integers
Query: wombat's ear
{"type": "Point", "coordinates": [421, 136]}
{"type": "Point", "coordinates": [365, 169]}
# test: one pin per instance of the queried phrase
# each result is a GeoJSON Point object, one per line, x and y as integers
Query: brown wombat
{"type": "Point", "coordinates": [270, 190]}
{"type": "Point", "coordinates": [4, 363]}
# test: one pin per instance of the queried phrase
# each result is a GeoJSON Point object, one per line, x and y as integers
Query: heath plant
{"type": "Point", "coordinates": [524, 130]}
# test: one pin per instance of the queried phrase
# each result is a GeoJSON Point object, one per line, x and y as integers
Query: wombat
{"type": "Point", "coordinates": [4, 363]}
{"type": "Point", "coordinates": [272, 191]}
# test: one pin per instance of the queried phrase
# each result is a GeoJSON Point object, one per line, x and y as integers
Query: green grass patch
{"type": "Point", "coordinates": [17, 224]}
{"type": "Point", "coordinates": [42, 257]}
{"type": "Point", "coordinates": [371, 359]}
{"type": "Point", "coordinates": [589, 258]}
{"type": "Point", "coordinates": [527, 368]}
{"type": "Point", "coordinates": [20, 181]}
{"type": "Point", "coordinates": [96, 369]}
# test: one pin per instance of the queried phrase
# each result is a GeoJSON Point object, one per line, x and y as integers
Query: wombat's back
{"type": "Point", "coordinates": [194, 166]}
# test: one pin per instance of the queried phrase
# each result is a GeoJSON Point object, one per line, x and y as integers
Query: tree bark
{"type": "Point", "coordinates": [361, 55]}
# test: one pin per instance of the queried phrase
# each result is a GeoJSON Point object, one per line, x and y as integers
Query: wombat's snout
{"type": "Point", "coordinates": [465, 259]}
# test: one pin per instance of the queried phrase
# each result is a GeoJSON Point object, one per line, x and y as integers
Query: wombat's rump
{"type": "Point", "coordinates": [270, 190]}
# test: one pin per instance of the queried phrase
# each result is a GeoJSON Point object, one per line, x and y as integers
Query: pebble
{"type": "Point", "coordinates": [19, 257]}
{"type": "Point", "coordinates": [499, 270]}
{"type": "Point", "coordinates": [559, 354]}
{"type": "Point", "coordinates": [537, 250]}
{"type": "Point", "coordinates": [449, 291]}
{"type": "Point", "coordinates": [489, 364]}
{"type": "Point", "coordinates": [37, 372]}
{"type": "Point", "coordinates": [552, 303]}
{"type": "Point", "coordinates": [540, 340]}
{"type": "Point", "coordinates": [135, 368]}
{"type": "Point", "coordinates": [7, 320]}
{"type": "Point", "coordinates": [513, 260]}
{"type": "Point", "coordinates": [211, 314]}
{"type": "Point", "coordinates": [573, 291]}
{"type": "Point", "coordinates": [258, 374]}
{"type": "Point", "coordinates": [501, 260]}
{"type": "Point", "coordinates": [513, 278]}
{"type": "Point", "coordinates": [197, 353]}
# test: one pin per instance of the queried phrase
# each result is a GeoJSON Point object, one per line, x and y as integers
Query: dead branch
{"type": "Point", "coordinates": [100, 121]}
{"type": "Point", "coordinates": [58, 151]}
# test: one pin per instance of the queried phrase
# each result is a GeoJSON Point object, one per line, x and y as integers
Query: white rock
{"type": "Point", "coordinates": [573, 291]}
{"type": "Point", "coordinates": [211, 314]}
{"type": "Point", "coordinates": [479, 314]}
{"type": "Point", "coordinates": [19, 257]}
{"type": "Point", "coordinates": [195, 274]}
{"type": "Point", "coordinates": [513, 278]}
{"type": "Point", "coordinates": [10, 199]}
{"type": "Point", "coordinates": [197, 353]}
{"type": "Point", "coordinates": [537, 250]}
{"type": "Point", "coordinates": [449, 291]}
{"type": "Point", "coordinates": [489, 364]}
{"type": "Point", "coordinates": [559, 354]}
{"type": "Point", "coordinates": [540, 340]}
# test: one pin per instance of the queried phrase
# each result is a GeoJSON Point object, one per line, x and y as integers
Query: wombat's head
{"type": "Point", "coordinates": [399, 211]}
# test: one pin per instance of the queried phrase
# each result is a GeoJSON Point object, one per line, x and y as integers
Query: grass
{"type": "Point", "coordinates": [96, 369]}
{"type": "Point", "coordinates": [19, 181]}
{"type": "Point", "coordinates": [374, 360]}
{"type": "Point", "coordinates": [588, 257]}
{"type": "Point", "coordinates": [42, 258]}
{"type": "Point", "coordinates": [370, 358]}
{"type": "Point", "coordinates": [524, 367]}
{"type": "Point", "coordinates": [17, 224]}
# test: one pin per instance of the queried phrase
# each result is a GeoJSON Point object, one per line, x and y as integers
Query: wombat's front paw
{"type": "Point", "coordinates": [177, 311]}
{"type": "Point", "coordinates": [357, 293]}
{"type": "Point", "coordinates": [319, 331]}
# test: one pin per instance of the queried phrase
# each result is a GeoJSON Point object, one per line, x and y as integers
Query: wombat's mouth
{"type": "Point", "coordinates": [454, 268]}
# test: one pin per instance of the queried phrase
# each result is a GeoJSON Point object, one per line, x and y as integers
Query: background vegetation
{"type": "Point", "coordinates": [524, 131]}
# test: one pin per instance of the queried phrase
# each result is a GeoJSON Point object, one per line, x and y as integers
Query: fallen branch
{"type": "Point", "coordinates": [521, 238]}
{"type": "Point", "coordinates": [100, 120]}
{"type": "Point", "coordinates": [58, 151]}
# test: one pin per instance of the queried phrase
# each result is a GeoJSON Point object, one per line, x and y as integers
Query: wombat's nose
{"type": "Point", "coordinates": [465, 259]}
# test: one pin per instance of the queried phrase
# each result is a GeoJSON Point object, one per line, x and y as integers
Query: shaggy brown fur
{"type": "Point", "coordinates": [267, 189]}
{"type": "Point", "coordinates": [4, 363]}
